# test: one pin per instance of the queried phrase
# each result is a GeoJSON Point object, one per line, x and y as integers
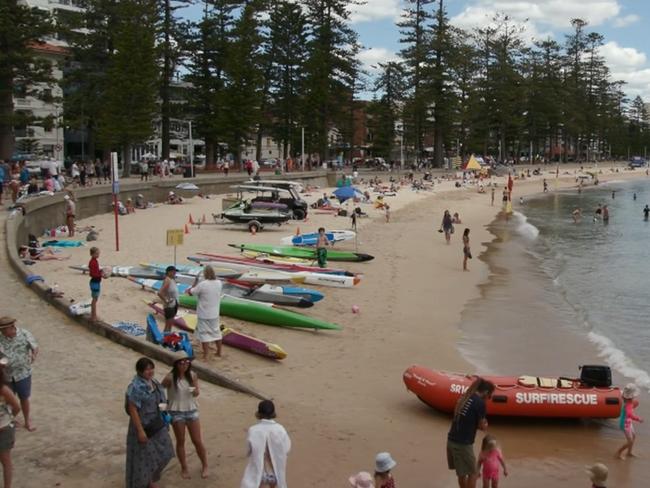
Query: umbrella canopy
{"type": "Point", "coordinates": [473, 164]}
{"type": "Point", "coordinates": [347, 192]}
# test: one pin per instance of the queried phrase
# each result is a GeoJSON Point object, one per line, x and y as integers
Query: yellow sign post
{"type": "Point", "coordinates": [174, 238]}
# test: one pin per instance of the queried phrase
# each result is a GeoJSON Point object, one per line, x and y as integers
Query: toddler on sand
{"type": "Point", "coordinates": [630, 392]}
{"type": "Point", "coordinates": [490, 459]}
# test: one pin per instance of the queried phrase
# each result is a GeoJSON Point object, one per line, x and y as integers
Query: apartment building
{"type": "Point", "coordinates": [49, 140]}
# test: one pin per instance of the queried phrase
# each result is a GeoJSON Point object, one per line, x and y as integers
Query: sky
{"type": "Point", "coordinates": [621, 22]}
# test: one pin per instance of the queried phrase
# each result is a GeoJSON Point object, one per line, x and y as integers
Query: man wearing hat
{"type": "Point", "coordinates": [268, 446]}
{"type": "Point", "coordinates": [21, 350]}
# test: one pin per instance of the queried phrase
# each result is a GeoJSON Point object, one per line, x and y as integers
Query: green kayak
{"type": "Point", "coordinates": [302, 252]}
{"type": "Point", "coordinates": [262, 314]}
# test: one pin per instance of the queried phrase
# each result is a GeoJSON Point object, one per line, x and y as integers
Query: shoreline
{"type": "Point", "coordinates": [337, 409]}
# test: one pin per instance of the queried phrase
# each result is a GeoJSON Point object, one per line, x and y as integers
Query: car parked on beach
{"type": "Point", "coordinates": [637, 162]}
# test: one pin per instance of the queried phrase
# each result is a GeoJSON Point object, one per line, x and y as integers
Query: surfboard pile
{"type": "Point", "coordinates": [257, 285]}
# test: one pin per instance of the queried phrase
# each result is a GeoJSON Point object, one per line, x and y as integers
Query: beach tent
{"type": "Point", "coordinates": [472, 164]}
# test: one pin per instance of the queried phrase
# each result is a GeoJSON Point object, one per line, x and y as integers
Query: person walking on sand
{"type": "Point", "coordinates": [467, 252]}
{"type": "Point", "coordinates": [489, 460]}
{"type": "Point", "coordinates": [598, 475]}
{"type": "Point", "coordinates": [96, 276]}
{"type": "Point", "coordinates": [447, 226]}
{"type": "Point", "coordinates": [646, 213]}
{"type": "Point", "coordinates": [70, 213]}
{"type": "Point", "coordinates": [148, 445]}
{"type": "Point", "coordinates": [469, 416]}
{"type": "Point", "coordinates": [492, 197]}
{"type": "Point", "coordinates": [384, 463]}
{"type": "Point", "coordinates": [9, 408]}
{"type": "Point", "coordinates": [168, 293]}
{"type": "Point", "coordinates": [268, 448]}
{"type": "Point", "coordinates": [182, 390]}
{"type": "Point", "coordinates": [321, 247]}
{"type": "Point", "coordinates": [630, 392]}
{"type": "Point", "coordinates": [387, 211]}
{"type": "Point", "coordinates": [208, 295]}
{"type": "Point", "coordinates": [20, 349]}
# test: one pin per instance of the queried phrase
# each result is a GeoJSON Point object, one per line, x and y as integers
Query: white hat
{"type": "Point", "coordinates": [66, 197]}
{"type": "Point", "coordinates": [171, 192]}
{"type": "Point", "coordinates": [630, 391]}
{"type": "Point", "coordinates": [384, 462]}
{"type": "Point", "coordinates": [362, 479]}
{"type": "Point", "coordinates": [597, 473]}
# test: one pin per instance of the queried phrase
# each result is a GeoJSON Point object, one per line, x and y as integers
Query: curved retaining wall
{"type": "Point", "coordinates": [47, 212]}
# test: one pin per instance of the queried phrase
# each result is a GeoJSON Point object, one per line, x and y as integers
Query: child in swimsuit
{"type": "Point", "coordinates": [490, 459]}
{"type": "Point", "coordinates": [630, 392]}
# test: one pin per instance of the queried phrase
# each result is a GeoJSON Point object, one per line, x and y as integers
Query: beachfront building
{"type": "Point", "coordinates": [47, 139]}
{"type": "Point", "coordinates": [183, 143]}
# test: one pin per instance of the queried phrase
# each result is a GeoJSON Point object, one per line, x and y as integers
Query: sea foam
{"type": "Point", "coordinates": [618, 360]}
{"type": "Point", "coordinates": [524, 227]}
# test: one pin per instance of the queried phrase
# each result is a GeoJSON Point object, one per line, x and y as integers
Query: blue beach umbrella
{"type": "Point", "coordinates": [347, 192]}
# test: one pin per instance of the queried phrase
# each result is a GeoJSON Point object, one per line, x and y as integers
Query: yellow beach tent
{"type": "Point", "coordinates": [472, 164]}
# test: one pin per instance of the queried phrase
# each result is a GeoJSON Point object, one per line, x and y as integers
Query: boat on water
{"type": "Point", "coordinates": [590, 396]}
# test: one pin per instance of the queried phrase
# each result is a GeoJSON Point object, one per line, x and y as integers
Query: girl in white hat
{"type": "Point", "coordinates": [383, 464]}
{"type": "Point", "coordinates": [630, 392]}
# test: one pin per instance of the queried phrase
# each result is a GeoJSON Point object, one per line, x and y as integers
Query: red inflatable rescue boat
{"type": "Point", "coordinates": [524, 396]}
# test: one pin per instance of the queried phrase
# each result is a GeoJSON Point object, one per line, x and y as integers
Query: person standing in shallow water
{"type": "Point", "coordinates": [469, 416]}
{"type": "Point", "coordinates": [646, 213]}
{"type": "Point", "coordinates": [467, 252]}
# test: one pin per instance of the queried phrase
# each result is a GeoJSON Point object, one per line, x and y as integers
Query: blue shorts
{"type": "Point", "coordinates": [22, 388]}
{"type": "Point", "coordinates": [95, 288]}
{"type": "Point", "coordinates": [189, 416]}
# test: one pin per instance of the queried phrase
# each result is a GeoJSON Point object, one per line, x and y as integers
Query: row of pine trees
{"type": "Point", "coordinates": [275, 67]}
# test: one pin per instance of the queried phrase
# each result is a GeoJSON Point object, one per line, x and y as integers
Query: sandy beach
{"type": "Point", "coordinates": [339, 394]}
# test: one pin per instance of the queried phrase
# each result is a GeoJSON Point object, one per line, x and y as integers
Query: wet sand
{"type": "Point", "coordinates": [339, 394]}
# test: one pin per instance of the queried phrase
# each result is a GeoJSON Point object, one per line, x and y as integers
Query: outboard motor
{"type": "Point", "coordinates": [594, 375]}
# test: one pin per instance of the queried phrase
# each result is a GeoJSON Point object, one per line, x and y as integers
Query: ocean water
{"type": "Point", "coordinates": [562, 294]}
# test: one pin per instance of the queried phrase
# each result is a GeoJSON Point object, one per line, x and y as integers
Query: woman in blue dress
{"type": "Point", "coordinates": [148, 445]}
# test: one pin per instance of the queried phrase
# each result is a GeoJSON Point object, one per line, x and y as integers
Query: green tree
{"type": "Point", "coordinates": [243, 82]}
{"type": "Point", "coordinates": [384, 112]}
{"type": "Point", "coordinates": [169, 30]}
{"type": "Point", "coordinates": [288, 37]}
{"type": "Point", "coordinates": [130, 99]}
{"type": "Point", "coordinates": [329, 69]}
{"type": "Point", "coordinates": [416, 53]}
{"type": "Point", "coordinates": [208, 42]}
{"type": "Point", "coordinates": [22, 70]}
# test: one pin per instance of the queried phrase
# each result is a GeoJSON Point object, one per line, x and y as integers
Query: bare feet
{"type": "Point", "coordinates": [185, 475]}
{"type": "Point", "coordinates": [204, 472]}
{"type": "Point", "coordinates": [633, 455]}
{"type": "Point", "coordinates": [620, 456]}
{"type": "Point", "coordinates": [30, 427]}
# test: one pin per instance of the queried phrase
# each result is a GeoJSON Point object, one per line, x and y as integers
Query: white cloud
{"type": "Point", "coordinates": [626, 20]}
{"type": "Point", "coordinates": [374, 55]}
{"type": "Point", "coordinates": [375, 10]}
{"type": "Point", "coordinates": [549, 13]}
{"type": "Point", "coordinates": [622, 59]}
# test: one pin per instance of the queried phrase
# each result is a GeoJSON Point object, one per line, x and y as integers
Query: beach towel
{"type": "Point", "coordinates": [129, 328]}
{"type": "Point", "coordinates": [55, 243]}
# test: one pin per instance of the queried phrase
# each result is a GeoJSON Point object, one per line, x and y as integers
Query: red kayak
{"type": "Point", "coordinates": [590, 396]}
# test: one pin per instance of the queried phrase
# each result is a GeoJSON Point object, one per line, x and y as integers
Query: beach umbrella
{"type": "Point", "coordinates": [346, 193]}
{"type": "Point", "coordinates": [473, 164]}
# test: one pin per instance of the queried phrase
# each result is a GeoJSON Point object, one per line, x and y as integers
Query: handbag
{"type": "Point", "coordinates": [155, 426]}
